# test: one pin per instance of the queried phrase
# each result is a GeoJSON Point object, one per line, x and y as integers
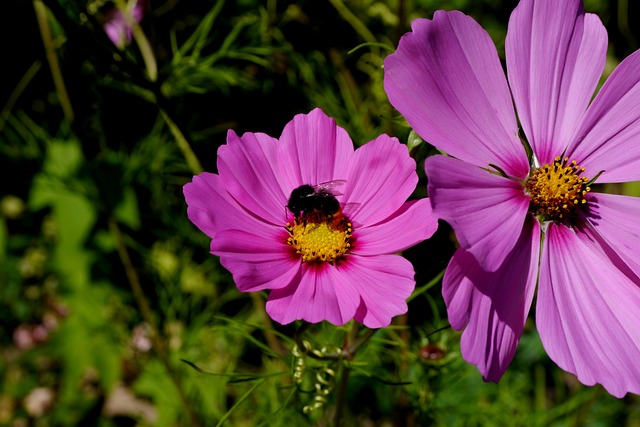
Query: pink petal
{"type": "Point", "coordinates": [384, 283]}
{"type": "Point", "coordinates": [264, 244]}
{"type": "Point", "coordinates": [382, 176]}
{"type": "Point", "coordinates": [486, 211]}
{"type": "Point", "coordinates": [555, 56]}
{"type": "Point", "coordinates": [608, 136]}
{"type": "Point", "coordinates": [446, 79]}
{"type": "Point", "coordinates": [314, 150]}
{"type": "Point", "coordinates": [259, 259]}
{"type": "Point", "coordinates": [139, 10]}
{"type": "Point", "coordinates": [413, 223]}
{"type": "Point", "coordinates": [248, 169]}
{"type": "Point", "coordinates": [252, 276]}
{"type": "Point", "coordinates": [322, 292]}
{"type": "Point", "coordinates": [116, 25]}
{"type": "Point", "coordinates": [587, 311]}
{"type": "Point", "coordinates": [492, 307]}
{"type": "Point", "coordinates": [617, 219]}
{"type": "Point", "coordinates": [212, 209]}
{"type": "Point", "coordinates": [117, 30]}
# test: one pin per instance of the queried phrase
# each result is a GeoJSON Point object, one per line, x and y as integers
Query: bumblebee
{"type": "Point", "coordinates": [316, 202]}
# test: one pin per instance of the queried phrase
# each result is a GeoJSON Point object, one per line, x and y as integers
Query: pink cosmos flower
{"type": "Point", "coordinates": [116, 25]}
{"type": "Point", "coordinates": [321, 260]}
{"type": "Point", "coordinates": [447, 80]}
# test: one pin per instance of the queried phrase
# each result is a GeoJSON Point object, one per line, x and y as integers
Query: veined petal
{"type": "Point", "coordinates": [486, 211]}
{"type": "Point", "coordinates": [607, 139]}
{"type": "Point", "coordinates": [492, 307]}
{"type": "Point", "coordinates": [384, 283]}
{"type": "Point", "coordinates": [445, 78]}
{"type": "Point", "coordinates": [255, 275]}
{"type": "Point", "coordinates": [617, 219]}
{"type": "Point", "coordinates": [413, 223]}
{"type": "Point", "coordinates": [382, 176]}
{"type": "Point", "coordinates": [314, 150]}
{"type": "Point", "coordinates": [258, 260]}
{"type": "Point", "coordinates": [587, 310]}
{"type": "Point", "coordinates": [555, 57]}
{"type": "Point", "coordinates": [248, 167]}
{"type": "Point", "coordinates": [321, 293]}
{"type": "Point", "coordinates": [268, 243]}
{"type": "Point", "coordinates": [212, 209]}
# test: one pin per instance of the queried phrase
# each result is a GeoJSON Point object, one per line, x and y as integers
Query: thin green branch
{"type": "Point", "coordinates": [141, 39]}
{"type": "Point", "coordinates": [353, 20]}
{"type": "Point", "coordinates": [52, 58]}
{"type": "Point", "coordinates": [341, 395]}
{"type": "Point", "coordinates": [240, 402]}
{"type": "Point", "coordinates": [147, 315]}
{"type": "Point", "coordinates": [272, 340]}
{"type": "Point", "coordinates": [428, 286]}
{"type": "Point", "coordinates": [17, 91]}
{"type": "Point", "coordinates": [344, 374]}
{"type": "Point", "coordinates": [183, 145]}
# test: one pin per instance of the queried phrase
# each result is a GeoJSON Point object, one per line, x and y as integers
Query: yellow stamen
{"type": "Point", "coordinates": [557, 189]}
{"type": "Point", "coordinates": [319, 238]}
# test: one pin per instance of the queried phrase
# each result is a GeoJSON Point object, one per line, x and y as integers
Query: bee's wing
{"type": "Point", "coordinates": [331, 187]}
{"type": "Point", "coordinates": [350, 208]}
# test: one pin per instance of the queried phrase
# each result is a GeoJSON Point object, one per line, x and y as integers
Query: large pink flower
{"type": "Point", "coordinates": [318, 264]}
{"type": "Point", "coordinates": [501, 199]}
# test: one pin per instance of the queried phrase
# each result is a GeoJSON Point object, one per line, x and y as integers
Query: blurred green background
{"type": "Point", "coordinates": [112, 310]}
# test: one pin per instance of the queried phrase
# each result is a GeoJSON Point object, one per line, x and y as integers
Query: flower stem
{"type": "Point", "coordinates": [402, 15]}
{"type": "Point", "coordinates": [272, 340]}
{"type": "Point", "coordinates": [344, 373]}
{"type": "Point", "coordinates": [141, 40]}
{"type": "Point", "coordinates": [359, 342]}
{"type": "Point", "coordinates": [52, 58]}
{"type": "Point", "coordinates": [17, 91]}
{"type": "Point", "coordinates": [353, 20]}
{"type": "Point", "coordinates": [341, 395]}
{"type": "Point", "coordinates": [147, 315]}
{"type": "Point", "coordinates": [183, 145]}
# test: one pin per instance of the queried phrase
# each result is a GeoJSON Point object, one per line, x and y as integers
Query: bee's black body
{"type": "Point", "coordinates": [308, 198]}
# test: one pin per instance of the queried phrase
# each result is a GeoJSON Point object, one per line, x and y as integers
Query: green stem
{"type": "Point", "coordinates": [272, 340]}
{"type": "Point", "coordinates": [147, 315]}
{"type": "Point", "coordinates": [17, 91]}
{"type": "Point", "coordinates": [141, 40]}
{"type": "Point", "coordinates": [52, 58]}
{"type": "Point", "coordinates": [402, 15]}
{"type": "Point", "coordinates": [353, 20]}
{"type": "Point", "coordinates": [341, 395]}
{"type": "Point", "coordinates": [351, 348]}
{"type": "Point", "coordinates": [344, 374]}
{"type": "Point", "coordinates": [359, 342]}
{"type": "Point", "coordinates": [183, 145]}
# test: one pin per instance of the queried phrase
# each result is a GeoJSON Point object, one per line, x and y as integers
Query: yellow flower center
{"type": "Point", "coordinates": [320, 238]}
{"type": "Point", "coordinates": [557, 189]}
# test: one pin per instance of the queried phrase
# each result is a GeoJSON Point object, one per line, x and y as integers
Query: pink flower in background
{"type": "Point", "coordinates": [116, 25]}
{"type": "Point", "coordinates": [327, 251]}
{"type": "Point", "coordinates": [447, 81]}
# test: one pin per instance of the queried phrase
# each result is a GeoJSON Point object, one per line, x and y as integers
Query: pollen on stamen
{"type": "Point", "coordinates": [557, 190]}
{"type": "Point", "coordinates": [318, 238]}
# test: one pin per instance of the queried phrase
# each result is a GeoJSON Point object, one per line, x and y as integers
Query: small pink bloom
{"type": "Point", "coordinates": [321, 262]}
{"type": "Point", "coordinates": [23, 337]}
{"type": "Point", "coordinates": [40, 333]}
{"type": "Point", "coordinates": [447, 80]}
{"type": "Point", "coordinates": [116, 25]}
